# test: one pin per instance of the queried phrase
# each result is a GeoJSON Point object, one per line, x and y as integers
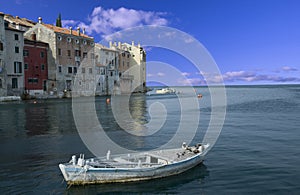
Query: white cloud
{"type": "Point", "coordinates": [150, 75]}
{"type": "Point", "coordinates": [161, 74]}
{"type": "Point", "coordinates": [192, 81]}
{"type": "Point", "coordinates": [240, 76]}
{"type": "Point", "coordinates": [288, 68]}
{"type": "Point", "coordinates": [106, 21]}
{"type": "Point", "coordinates": [185, 74]}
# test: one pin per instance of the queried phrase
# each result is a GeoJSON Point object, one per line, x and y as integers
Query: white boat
{"type": "Point", "coordinates": [132, 167]}
{"type": "Point", "coordinates": [165, 91]}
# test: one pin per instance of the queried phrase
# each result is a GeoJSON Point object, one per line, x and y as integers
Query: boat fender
{"type": "Point", "coordinates": [74, 160]}
{"type": "Point", "coordinates": [108, 155]}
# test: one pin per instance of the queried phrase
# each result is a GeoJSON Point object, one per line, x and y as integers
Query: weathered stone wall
{"type": "Point", "coordinates": [3, 89]}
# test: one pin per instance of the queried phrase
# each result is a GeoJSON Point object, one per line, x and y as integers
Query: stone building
{"type": "Point", "coordinates": [107, 63]}
{"type": "Point", "coordinates": [125, 74]}
{"type": "Point", "coordinates": [3, 85]}
{"type": "Point", "coordinates": [14, 43]}
{"type": "Point", "coordinates": [19, 23]}
{"type": "Point", "coordinates": [35, 66]}
{"type": "Point", "coordinates": [69, 51]}
{"type": "Point", "coordinates": [132, 67]}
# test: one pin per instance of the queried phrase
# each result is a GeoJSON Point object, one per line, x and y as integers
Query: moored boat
{"type": "Point", "coordinates": [132, 167]}
{"type": "Point", "coordinates": [165, 91]}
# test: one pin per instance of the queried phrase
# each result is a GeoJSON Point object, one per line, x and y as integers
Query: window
{"type": "Point", "coordinates": [77, 53]}
{"type": "Point", "coordinates": [92, 55]}
{"type": "Point", "coordinates": [25, 53]}
{"type": "Point", "coordinates": [127, 64]}
{"type": "Point", "coordinates": [17, 67]}
{"type": "Point", "coordinates": [16, 37]}
{"type": "Point", "coordinates": [84, 42]}
{"type": "Point", "coordinates": [0, 83]}
{"type": "Point", "coordinates": [59, 51]}
{"type": "Point", "coordinates": [128, 55]}
{"type": "Point", "coordinates": [77, 63]}
{"type": "Point", "coordinates": [33, 80]}
{"type": "Point", "coordinates": [59, 38]}
{"type": "Point", "coordinates": [26, 66]}
{"type": "Point", "coordinates": [69, 39]}
{"type": "Point", "coordinates": [102, 70]}
{"type": "Point", "coordinates": [75, 70]}
{"type": "Point", "coordinates": [1, 46]}
{"type": "Point", "coordinates": [69, 52]}
{"type": "Point", "coordinates": [14, 83]}
{"type": "Point", "coordinates": [42, 54]}
{"type": "Point", "coordinates": [90, 70]}
{"type": "Point", "coordinates": [43, 66]}
{"type": "Point", "coordinates": [83, 70]}
{"type": "Point", "coordinates": [77, 41]}
{"type": "Point", "coordinates": [69, 69]}
{"type": "Point", "coordinates": [84, 55]}
{"type": "Point", "coordinates": [111, 73]}
{"type": "Point", "coordinates": [16, 49]}
{"type": "Point", "coordinates": [59, 69]}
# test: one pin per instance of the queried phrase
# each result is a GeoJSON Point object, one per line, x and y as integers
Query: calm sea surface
{"type": "Point", "coordinates": [258, 150]}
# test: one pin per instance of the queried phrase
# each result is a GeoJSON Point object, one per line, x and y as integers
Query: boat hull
{"type": "Point", "coordinates": [83, 175]}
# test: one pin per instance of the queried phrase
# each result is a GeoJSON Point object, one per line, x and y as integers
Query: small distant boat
{"type": "Point", "coordinates": [165, 91]}
{"type": "Point", "coordinates": [132, 167]}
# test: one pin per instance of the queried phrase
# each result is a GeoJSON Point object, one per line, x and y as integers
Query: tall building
{"type": "Point", "coordinates": [69, 51]}
{"type": "Point", "coordinates": [133, 75]}
{"type": "Point", "coordinates": [14, 43]}
{"type": "Point", "coordinates": [35, 66]}
{"type": "Point", "coordinates": [107, 63]}
{"type": "Point", "coordinates": [3, 85]}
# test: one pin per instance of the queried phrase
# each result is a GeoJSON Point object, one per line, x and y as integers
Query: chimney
{"type": "Point", "coordinates": [115, 44]}
{"type": "Point", "coordinates": [33, 36]}
{"type": "Point", "coordinates": [139, 45]}
{"type": "Point", "coordinates": [83, 31]}
{"type": "Point", "coordinates": [71, 30]}
{"type": "Point", "coordinates": [78, 30]}
{"type": "Point", "coordinates": [40, 20]}
{"type": "Point", "coordinates": [119, 45]}
{"type": "Point", "coordinates": [110, 44]}
{"type": "Point", "coordinates": [18, 26]}
{"type": "Point", "coordinates": [132, 43]}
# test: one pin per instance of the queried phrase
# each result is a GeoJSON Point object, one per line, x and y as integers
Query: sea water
{"type": "Point", "coordinates": [258, 150]}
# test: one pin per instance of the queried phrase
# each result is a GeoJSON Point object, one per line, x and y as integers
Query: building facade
{"type": "Point", "coordinates": [14, 62]}
{"type": "Point", "coordinates": [35, 66]}
{"type": "Point", "coordinates": [107, 63]}
{"type": "Point", "coordinates": [133, 73]}
{"type": "Point", "coordinates": [3, 78]}
{"type": "Point", "coordinates": [69, 51]}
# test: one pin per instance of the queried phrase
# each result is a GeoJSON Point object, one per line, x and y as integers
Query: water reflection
{"type": "Point", "coordinates": [193, 177]}
{"type": "Point", "coordinates": [37, 122]}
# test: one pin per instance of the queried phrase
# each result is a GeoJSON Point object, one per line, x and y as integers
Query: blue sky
{"type": "Point", "coordinates": [252, 41]}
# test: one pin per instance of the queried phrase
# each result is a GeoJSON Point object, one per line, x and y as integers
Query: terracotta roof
{"type": "Point", "coordinates": [66, 31]}
{"type": "Point", "coordinates": [20, 21]}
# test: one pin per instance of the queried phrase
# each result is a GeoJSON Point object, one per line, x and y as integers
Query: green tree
{"type": "Point", "coordinates": [58, 21]}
